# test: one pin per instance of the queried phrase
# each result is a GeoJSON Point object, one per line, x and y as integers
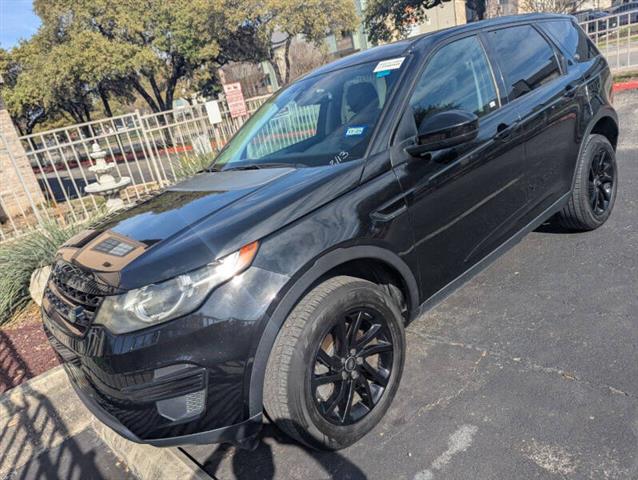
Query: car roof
{"type": "Point", "coordinates": [403, 47]}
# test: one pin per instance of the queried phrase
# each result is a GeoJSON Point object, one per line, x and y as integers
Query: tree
{"type": "Point", "coordinates": [305, 57]}
{"type": "Point", "coordinates": [312, 20]}
{"type": "Point", "coordinates": [388, 20]}
{"type": "Point", "coordinates": [149, 46]}
{"type": "Point", "coordinates": [25, 105]}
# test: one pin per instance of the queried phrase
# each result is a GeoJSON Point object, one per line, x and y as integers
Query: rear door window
{"type": "Point", "coordinates": [571, 39]}
{"type": "Point", "coordinates": [527, 60]}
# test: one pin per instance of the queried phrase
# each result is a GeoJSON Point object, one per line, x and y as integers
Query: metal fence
{"type": "Point", "coordinates": [149, 149]}
{"type": "Point", "coordinates": [616, 36]}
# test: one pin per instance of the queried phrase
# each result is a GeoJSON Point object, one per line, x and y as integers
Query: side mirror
{"type": "Point", "coordinates": [444, 130]}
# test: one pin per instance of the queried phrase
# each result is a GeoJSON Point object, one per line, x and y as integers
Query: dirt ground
{"type": "Point", "coordinates": [24, 350]}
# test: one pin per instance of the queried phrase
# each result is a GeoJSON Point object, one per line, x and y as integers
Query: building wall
{"type": "Point", "coordinates": [13, 196]}
{"type": "Point", "coordinates": [445, 15]}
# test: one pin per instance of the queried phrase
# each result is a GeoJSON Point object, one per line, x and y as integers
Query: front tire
{"type": "Point", "coordinates": [336, 364]}
{"type": "Point", "coordinates": [594, 193]}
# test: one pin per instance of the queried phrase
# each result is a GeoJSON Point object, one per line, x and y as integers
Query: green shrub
{"type": "Point", "coordinates": [191, 164]}
{"type": "Point", "coordinates": [20, 257]}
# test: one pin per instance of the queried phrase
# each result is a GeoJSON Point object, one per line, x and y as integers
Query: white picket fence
{"type": "Point", "coordinates": [148, 148]}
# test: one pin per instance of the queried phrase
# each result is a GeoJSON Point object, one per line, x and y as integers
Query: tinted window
{"type": "Point", "coordinates": [527, 60]}
{"type": "Point", "coordinates": [457, 77]}
{"type": "Point", "coordinates": [571, 38]}
{"type": "Point", "coordinates": [319, 120]}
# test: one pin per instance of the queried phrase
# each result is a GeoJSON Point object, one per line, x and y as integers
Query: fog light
{"type": "Point", "coordinates": [184, 407]}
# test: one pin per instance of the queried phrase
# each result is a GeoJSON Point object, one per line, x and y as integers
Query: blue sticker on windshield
{"type": "Point", "coordinates": [355, 130]}
{"type": "Point", "coordinates": [384, 73]}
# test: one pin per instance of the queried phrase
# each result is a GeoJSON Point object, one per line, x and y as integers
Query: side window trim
{"type": "Point", "coordinates": [559, 55]}
{"type": "Point", "coordinates": [417, 76]}
{"type": "Point", "coordinates": [495, 67]}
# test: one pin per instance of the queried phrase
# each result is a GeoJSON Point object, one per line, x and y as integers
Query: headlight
{"type": "Point", "coordinates": [173, 298]}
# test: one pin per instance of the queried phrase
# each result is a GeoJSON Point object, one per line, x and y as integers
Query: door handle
{"type": "Point", "coordinates": [390, 210]}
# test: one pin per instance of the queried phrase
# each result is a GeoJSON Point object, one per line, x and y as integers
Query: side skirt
{"type": "Point", "coordinates": [487, 260]}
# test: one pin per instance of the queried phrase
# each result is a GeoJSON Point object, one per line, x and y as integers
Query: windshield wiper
{"type": "Point", "coordinates": [259, 166]}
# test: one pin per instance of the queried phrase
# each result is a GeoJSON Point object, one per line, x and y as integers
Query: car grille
{"type": "Point", "coordinates": [75, 295]}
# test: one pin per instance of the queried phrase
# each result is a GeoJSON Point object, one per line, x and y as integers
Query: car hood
{"type": "Point", "coordinates": [203, 218]}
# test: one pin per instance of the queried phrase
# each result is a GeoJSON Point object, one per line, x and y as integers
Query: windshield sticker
{"type": "Point", "coordinates": [339, 157]}
{"type": "Point", "coordinates": [385, 73]}
{"type": "Point", "coordinates": [392, 64]}
{"type": "Point", "coordinates": [355, 131]}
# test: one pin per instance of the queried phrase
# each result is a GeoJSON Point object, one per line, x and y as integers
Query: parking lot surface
{"type": "Point", "coordinates": [529, 371]}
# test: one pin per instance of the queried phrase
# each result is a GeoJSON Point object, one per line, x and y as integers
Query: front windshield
{"type": "Point", "coordinates": [321, 120]}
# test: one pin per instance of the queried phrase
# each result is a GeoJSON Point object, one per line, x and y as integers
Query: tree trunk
{"type": "Point", "coordinates": [105, 102]}
{"type": "Point", "coordinates": [146, 96]}
{"type": "Point", "coordinates": [157, 92]}
{"type": "Point", "coordinates": [287, 57]}
{"type": "Point", "coordinates": [278, 74]}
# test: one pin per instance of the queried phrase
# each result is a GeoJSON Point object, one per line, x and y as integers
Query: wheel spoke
{"type": "Point", "coordinates": [601, 162]}
{"type": "Point", "coordinates": [345, 406]}
{"type": "Point", "coordinates": [354, 328]}
{"type": "Point", "coordinates": [606, 192]}
{"type": "Point", "coordinates": [328, 360]}
{"type": "Point", "coordinates": [365, 392]}
{"type": "Point", "coordinates": [374, 375]}
{"type": "Point", "coordinates": [341, 336]}
{"type": "Point", "coordinates": [368, 336]}
{"type": "Point", "coordinates": [595, 199]}
{"type": "Point", "coordinates": [375, 349]}
{"type": "Point", "coordinates": [325, 378]}
{"type": "Point", "coordinates": [335, 398]}
{"type": "Point", "coordinates": [592, 195]}
{"type": "Point", "coordinates": [605, 178]}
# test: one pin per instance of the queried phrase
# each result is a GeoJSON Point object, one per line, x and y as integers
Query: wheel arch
{"type": "Point", "coordinates": [604, 122]}
{"type": "Point", "coordinates": [382, 266]}
{"type": "Point", "coordinates": [607, 127]}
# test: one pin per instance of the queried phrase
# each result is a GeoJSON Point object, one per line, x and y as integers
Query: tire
{"type": "Point", "coordinates": [308, 349]}
{"type": "Point", "coordinates": [593, 197]}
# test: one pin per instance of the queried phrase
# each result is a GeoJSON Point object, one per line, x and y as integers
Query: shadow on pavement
{"type": "Point", "coordinates": [552, 226]}
{"type": "Point", "coordinates": [259, 464]}
{"type": "Point", "coordinates": [35, 441]}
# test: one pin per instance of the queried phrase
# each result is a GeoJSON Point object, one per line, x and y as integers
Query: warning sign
{"type": "Point", "coordinates": [235, 99]}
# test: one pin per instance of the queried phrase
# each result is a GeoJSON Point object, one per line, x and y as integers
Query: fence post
{"type": "Point", "coordinates": [151, 157]}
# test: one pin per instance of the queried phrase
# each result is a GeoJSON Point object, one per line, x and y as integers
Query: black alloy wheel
{"type": "Point", "coordinates": [601, 182]}
{"type": "Point", "coordinates": [352, 367]}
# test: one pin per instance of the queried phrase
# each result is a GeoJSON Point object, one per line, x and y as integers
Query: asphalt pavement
{"type": "Point", "coordinates": [530, 371]}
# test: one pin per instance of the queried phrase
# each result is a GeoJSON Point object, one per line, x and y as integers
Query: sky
{"type": "Point", "coordinates": [17, 21]}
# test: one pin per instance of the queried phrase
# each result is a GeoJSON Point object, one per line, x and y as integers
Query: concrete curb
{"type": "Point", "coordinates": [622, 86]}
{"type": "Point", "coordinates": [148, 462]}
{"type": "Point", "coordinates": [43, 412]}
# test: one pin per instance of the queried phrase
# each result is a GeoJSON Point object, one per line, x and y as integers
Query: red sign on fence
{"type": "Point", "coordinates": [235, 99]}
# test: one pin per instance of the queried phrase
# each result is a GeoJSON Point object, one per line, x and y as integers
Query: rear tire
{"type": "Point", "coordinates": [594, 193]}
{"type": "Point", "coordinates": [323, 357]}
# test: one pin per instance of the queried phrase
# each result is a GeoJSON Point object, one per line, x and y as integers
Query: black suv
{"type": "Point", "coordinates": [281, 279]}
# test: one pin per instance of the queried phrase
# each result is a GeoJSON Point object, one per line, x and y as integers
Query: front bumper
{"type": "Point", "coordinates": [239, 434]}
{"type": "Point", "coordinates": [116, 376]}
